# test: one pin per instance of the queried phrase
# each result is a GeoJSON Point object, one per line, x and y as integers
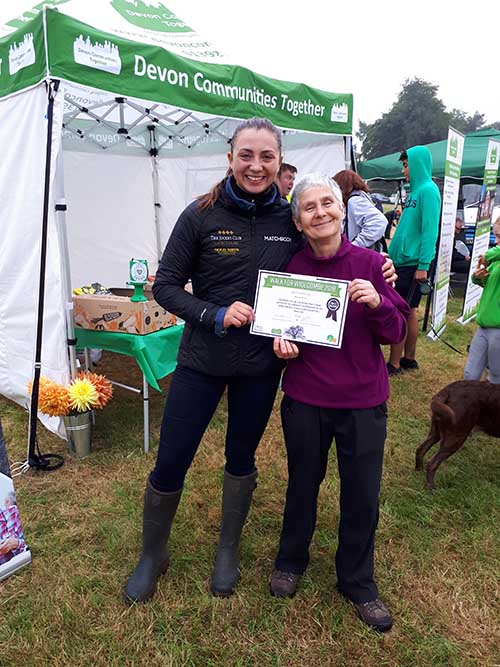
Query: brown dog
{"type": "Point", "coordinates": [456, 410]}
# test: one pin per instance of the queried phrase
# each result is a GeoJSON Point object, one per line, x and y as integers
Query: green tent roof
{"type": "Point", "coordinates": [138, 48]}
{"type": "Point", "coordinates": [388, 167]}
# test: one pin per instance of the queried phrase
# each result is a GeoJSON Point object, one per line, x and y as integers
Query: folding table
{"type": "Point", "coordinates": [155, 354]}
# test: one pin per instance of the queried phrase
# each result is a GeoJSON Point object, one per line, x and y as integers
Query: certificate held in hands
{"type": "Point", "coordinates": [305, 309]}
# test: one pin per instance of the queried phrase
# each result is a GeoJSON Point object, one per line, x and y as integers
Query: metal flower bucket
{"type": "Point", "coordinates": [79, 433]}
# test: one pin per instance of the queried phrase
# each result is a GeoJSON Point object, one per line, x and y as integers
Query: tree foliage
{"type": "Point", "coordinates": [417, 117]}
{"type": "Point", "coordinates": [464, 123]}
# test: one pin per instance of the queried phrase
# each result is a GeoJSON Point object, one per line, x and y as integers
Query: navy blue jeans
{"type": "Point", "coordinates": [191, 403]}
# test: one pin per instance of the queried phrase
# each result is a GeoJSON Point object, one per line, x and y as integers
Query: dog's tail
{"type": "Point", "coordinates": [442, 410]}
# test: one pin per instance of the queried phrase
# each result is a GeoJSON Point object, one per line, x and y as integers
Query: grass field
{"type": "Point", "coordinates": [437, 556]}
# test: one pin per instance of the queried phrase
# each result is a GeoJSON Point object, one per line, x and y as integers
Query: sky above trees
{"type": "Point", "coordinates": [369, 49]}
{"type": "Point", "coordinates": [417, 117]}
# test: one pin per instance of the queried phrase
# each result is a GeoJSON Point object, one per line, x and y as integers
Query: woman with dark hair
{"type": "Point", "coordinates": [364, 223]}
{"type": "Point", "coordinates": [219, 242]}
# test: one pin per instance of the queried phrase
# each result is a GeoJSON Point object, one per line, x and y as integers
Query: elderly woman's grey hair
{"type": "Point", "coordinates": [314, 180]}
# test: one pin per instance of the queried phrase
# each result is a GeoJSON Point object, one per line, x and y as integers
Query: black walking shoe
{"type": "Point", "coordinates": [408, 364]}
{"type": "Point", "coordinates": [375, 614]}
{"type": "Point", "coordinates": [283, 584]}
{"type": "Point", "coordinates": [392, 370]}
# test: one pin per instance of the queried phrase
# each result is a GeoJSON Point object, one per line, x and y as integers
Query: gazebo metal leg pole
{"type": "Point", "coordinates": [87, 359]}
{"type": "Point", "coordinates": [153, 151]}
{"type": "Point", "coordinates": [145, 399]}
{"type": "Point", "coordinates": [61, 208]}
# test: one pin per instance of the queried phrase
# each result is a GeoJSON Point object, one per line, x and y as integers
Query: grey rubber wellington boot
{"type": "Point", "coordinates": [157, 517]}
{"type": "Point", "coordinates": [236, 499]}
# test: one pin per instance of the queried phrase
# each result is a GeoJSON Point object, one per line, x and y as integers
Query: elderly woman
{"type": "Point", "coordinates": [337, 394]}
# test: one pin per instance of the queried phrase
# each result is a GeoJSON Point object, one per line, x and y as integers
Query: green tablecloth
{"type": "Point", "coordinates": [155, 353]}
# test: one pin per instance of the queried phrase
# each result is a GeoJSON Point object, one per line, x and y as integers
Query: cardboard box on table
{"type": "Point", "coordinates": [115, 312]}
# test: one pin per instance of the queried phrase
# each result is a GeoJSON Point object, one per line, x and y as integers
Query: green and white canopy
{"type": "Point", "coordinates": [140, 49]}
{"type": "Point", "coordinates": [114, 115]}
{"type": "Point", "coordinates": [388, 167]}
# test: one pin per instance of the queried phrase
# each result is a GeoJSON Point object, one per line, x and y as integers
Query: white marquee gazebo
{"type": "Point", "coordinates": [111, 121]}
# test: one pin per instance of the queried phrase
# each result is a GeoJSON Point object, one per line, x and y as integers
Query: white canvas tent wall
{"type": "Point", "coordinates": [109, 180]}
{"type": "Point", "coordinates": [140, 126]}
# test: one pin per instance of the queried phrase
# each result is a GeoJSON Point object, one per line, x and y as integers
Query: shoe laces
{"type": "Point", "coordinates": [374, 607]}
{"type": "Point", "coordinates": [285, 576]}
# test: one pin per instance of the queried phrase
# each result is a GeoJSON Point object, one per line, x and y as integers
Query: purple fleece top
{"type": "Point", "coordinates": [354, 376]}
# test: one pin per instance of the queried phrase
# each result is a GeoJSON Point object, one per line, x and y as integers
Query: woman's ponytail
{"type": "Point", "coordinates": [209, 198]}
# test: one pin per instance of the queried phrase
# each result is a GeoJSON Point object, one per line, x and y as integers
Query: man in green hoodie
{"type": "Point", "coordinates": [413, 247]}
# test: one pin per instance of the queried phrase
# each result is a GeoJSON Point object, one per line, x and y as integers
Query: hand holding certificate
{"type": "Point", "coordinates": [301, 308]}
{"type": "Point", "coordinates": [285, 349]}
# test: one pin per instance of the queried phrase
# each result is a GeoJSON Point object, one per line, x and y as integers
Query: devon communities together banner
{"type": "Point", "coordinates": [453, 165]}
{"type": "Point", "coordinates": [142, 50]}
{"type": "Point", "coordinates": [483, 228]}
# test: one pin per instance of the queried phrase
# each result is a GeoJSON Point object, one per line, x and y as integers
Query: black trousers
{"type": "Point", "coordinates": [359, 436]}
{"type": "Point", "coordinates": [191, 403]}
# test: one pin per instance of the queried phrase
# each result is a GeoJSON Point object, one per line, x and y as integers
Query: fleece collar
{"type": "Point", "coordinates": [261, 201]}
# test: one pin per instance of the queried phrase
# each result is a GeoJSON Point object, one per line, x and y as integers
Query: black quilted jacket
{"type": "Point", "coordinates": [221, 250]}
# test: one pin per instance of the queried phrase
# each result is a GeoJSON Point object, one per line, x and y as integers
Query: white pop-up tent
{"type": "Point", "coordinates": [111, 121]}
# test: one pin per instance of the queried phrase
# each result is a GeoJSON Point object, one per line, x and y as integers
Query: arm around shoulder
{"type": "Point", "coordinates": [388, 322]}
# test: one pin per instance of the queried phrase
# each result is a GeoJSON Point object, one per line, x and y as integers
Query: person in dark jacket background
{"type": "Point", "coordinates": [460, 258]}
{"type": "Point", "coordinates": [219, 242]}
{"type": "Point", "coordinates": [286, 179]}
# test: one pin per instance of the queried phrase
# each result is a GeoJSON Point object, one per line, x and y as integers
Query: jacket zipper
{"type": "Point", "coordinates": [253, 254]}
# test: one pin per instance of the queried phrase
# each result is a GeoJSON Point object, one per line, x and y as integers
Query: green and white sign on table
{"type": "Point", "coordinates": [305, 309]}
{"type": "Point", "coordinates": [454, 154]}
{"type": "Point", "coordinates": [483, 228]}
{"type": "Point", "coordinates": [138, 278]}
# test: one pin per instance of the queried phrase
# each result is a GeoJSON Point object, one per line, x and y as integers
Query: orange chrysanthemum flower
{"type": "Point", "coordinates": [53, 398]}
{"type": "Point", "coordinates": [87, 392]}
{"type": "Point", "coordinates": [103, 387]}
